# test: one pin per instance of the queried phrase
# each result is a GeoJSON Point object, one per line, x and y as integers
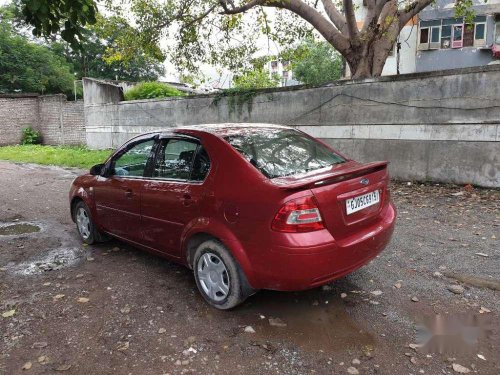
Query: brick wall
{"type": "Point", "coordinates": [59, 121]}
{"type": "Point", "coordinates": [17, 113]}
{"type": "Point", "coordinates": [74, 123]}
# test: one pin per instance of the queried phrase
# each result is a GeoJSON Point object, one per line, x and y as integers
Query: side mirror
{"type": "Point", "coordinates": [96, 169]}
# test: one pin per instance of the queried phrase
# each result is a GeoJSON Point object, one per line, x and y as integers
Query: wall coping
{"type": "Point", "coordinates": [342, 82]}
{"type": "Point", "coordinates": [14, 95]}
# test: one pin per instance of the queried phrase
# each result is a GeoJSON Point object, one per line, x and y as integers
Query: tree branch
{"type": "Point", "coordinates": [374, 9]}
{"type": "Point", "coordinates": [241, 9]}
{"type": "Point", "coordinates": [411, 10]}
{"type": "Point", "coordinates": [335, 16]}
{"type": "Point", "coordinates": [316, 19]}
{"type": "Point", "coordinates": [201, 16]}
{"type": "Point", "coordinates": [303, 10]}
{"type": "Point", "coordinates": [352, 27]}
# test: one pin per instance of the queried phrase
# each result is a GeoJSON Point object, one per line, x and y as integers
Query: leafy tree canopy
{"type": "Point", "coordinates": [316, 63]}
{"type": "Point", "coordinates": [256, 78]}
{"type": "Point", "coordinates": [67, 18]}
{"type": "Point", "coordinates": [225, 32]}
{"type": "Point", "coordinates": [100, 55]}
{"type": "Point", "coordinates": [28, 67]}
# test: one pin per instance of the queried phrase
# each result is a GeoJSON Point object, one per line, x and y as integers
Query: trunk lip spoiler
{"type": "Point", "coordinates": [288, 182]}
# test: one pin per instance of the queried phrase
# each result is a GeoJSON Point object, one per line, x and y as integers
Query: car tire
{"type": "Point", "coordinates": [85, 225]}
{"type": "Point", "coordinates": [219, 277]}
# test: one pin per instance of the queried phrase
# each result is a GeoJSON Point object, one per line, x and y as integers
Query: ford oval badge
{"type": "Point", "coordinates": [364, 181]}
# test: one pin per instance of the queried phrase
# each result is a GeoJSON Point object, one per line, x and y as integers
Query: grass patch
{"type": "Point", "coordinates": [63, 156]}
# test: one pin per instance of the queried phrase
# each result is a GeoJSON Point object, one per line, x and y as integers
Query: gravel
{"type": "Point", "coordinates": [131, 296]}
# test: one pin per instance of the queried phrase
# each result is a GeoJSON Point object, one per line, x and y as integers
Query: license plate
{"type": "Point", "coordinates": [362, 201]}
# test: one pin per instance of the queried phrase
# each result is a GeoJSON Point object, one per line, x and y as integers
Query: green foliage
{"type": "Point", "coordinates": [67, 18]}
{"type": "Point", "coordinates": [257, 78]}
{"type": "Point", "coordinates": [152, 90]}
{"type": "Point", "coordinates": [29, 67]}
{"type": "Point", "coordinates": [198, 34]}
{"type": "Point", "coordinates": [316, 63]}
{"type": "Point", "coordinates": [100, 56]}
{"type": "Point", "coordinates": [463, 8]}
{"type": "Point", "coordinates": [237, 97]}
{"type": "Point", "coordinates": [31, 136]}
{"type": "Point", "coordinates": [64, 156]}
{"type": "Point", "coordinates": [198, 31]}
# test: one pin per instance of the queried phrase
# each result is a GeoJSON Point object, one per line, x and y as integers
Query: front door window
{"type": "Point", "coordinates": [133, 162]}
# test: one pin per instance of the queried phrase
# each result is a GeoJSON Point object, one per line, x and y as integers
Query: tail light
{"type": "Point", "coordinates": [298, 215]}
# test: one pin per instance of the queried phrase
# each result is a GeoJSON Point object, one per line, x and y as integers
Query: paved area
{"type": "Point", "coordinates": [112, 309]}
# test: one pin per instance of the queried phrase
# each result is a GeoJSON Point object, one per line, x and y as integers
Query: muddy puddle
{"type": "Point", "coordinates": [53, 260]}
{"type": "Point", "coordinates": [314, 321]}
{"type": "Point", "coordinates": [15, 229]}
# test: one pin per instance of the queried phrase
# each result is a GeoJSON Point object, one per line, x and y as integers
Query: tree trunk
{"type": "Point", "coordinates": [360, 68]}
{"type": "Point", "coordinates": [369, 61]}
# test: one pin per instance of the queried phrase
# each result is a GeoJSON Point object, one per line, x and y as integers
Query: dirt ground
{"type": "Point", "coordinates": [112, 309]}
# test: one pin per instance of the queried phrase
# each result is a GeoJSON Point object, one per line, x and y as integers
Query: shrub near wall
{"type": "Point", "coordinates": [152, 90]}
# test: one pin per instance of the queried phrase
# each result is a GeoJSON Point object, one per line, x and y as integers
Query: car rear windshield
{"type": "Point", "coordinates": [282, 152]}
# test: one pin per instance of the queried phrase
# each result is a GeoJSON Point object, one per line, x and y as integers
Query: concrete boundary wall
{"type": "Point", "coordinates": [441, 126]}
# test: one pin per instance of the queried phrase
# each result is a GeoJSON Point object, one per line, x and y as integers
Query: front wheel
{"type": "Point", "coordinates": [219, 277]}
{"type": "Point", "coordinates": [85, 225]}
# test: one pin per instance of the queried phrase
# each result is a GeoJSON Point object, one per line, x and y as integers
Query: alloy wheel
{"type": "Point", "coordinates": [83, 222]}
{"type": "Point", "coordinates": [213, 276]}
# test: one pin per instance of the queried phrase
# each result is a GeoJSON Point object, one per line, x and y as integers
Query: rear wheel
{"type": "Point", "coordinates": [85, 225]}
{"type": "Point", "coordinates": [218, 276]}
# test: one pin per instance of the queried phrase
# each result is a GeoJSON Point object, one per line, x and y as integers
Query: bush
{"type": "Point", "coordinates": [31, 136]}
{"type": "Point", "coordinates": [152, 90]}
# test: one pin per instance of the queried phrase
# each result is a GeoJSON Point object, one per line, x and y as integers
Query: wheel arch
{"type": "Point", "coordinates": [81, 194]}
{"type": "Point", "coordinates": [74, 202]}
{"type": "Point", "coordinates": [218, 232]}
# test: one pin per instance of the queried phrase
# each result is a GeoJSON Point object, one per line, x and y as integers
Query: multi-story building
{"type": "Point", "coordinates": [435, 40]}
{"type": "Point", "coordinates": [282, 69]}
{"type": "Point", "coordinates": [447, 42]}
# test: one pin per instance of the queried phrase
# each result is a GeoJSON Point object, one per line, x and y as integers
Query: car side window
{"type": "Point", "coordinates": [201, 165]}
{"type": "Point", "coordinates": [175, 159]}
{"type": "Point", "coordinates": [133, 162]}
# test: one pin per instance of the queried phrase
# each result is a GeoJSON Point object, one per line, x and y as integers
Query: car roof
{"type": "Point", "coordinates": [224, 129]}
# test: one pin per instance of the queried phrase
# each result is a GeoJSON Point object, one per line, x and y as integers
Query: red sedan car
{"type": "Point", "coordinates": [246, 206]}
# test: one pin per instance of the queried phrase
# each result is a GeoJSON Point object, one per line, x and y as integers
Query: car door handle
{"type": "Point", "coordinates": [129, 193]}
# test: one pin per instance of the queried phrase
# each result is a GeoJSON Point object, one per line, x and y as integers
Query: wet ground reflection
{"type": "Point", "coordinates": [315, 320]}
{"type": "Point", "coordinates": [14, 229]}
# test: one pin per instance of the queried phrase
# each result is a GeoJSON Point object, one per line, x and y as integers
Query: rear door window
{"type": "Point", "coordinates": [174, 159]}
{"type": "Point", "coordinates": [201, 165]}
{"type": "Point", "coordinates": [282, 152]}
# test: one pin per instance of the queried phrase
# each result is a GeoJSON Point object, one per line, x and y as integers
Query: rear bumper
{"type": "Point", "coordinates": [299, 268]}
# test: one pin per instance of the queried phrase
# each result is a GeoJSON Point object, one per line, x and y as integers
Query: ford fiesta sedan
{"type": "Point", "coordinates": [246, 206]}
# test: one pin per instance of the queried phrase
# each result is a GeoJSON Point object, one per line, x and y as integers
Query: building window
{"type": "Point", "coordinates": [458, 36]}
{"type": "Point", "coordinates": [452, 33]}
{"type": "Point", "coordinates": [274, 65]}
{"type": "Point", "coordinates": [424, 38]}
{"type": "Point", "coordinates": [446, 36]}
{"type": "Point", "coordinates": [479, 34]}
{"type": "Point", "coordinates": [435, 37]}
